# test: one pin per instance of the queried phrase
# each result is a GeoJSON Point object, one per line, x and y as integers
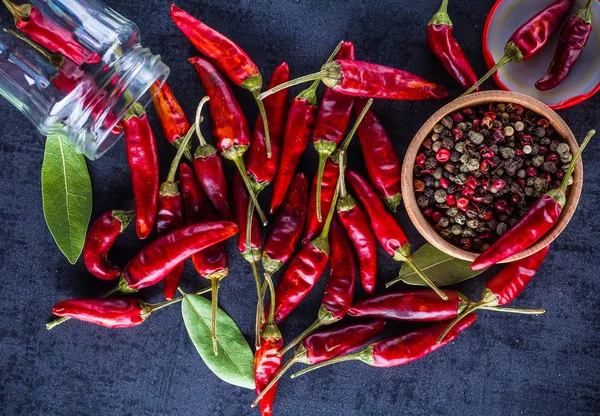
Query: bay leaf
{"type": "Point", "coordinates": [235, 362]}
{"type": "Point", "coordinates": [441, 268]}
{"type": "Point", "coordinates": [66, 196]}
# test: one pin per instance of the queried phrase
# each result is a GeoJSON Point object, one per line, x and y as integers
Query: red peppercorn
{"type": "Point", "coordinates": [428, 211]}
{"type": "Point", "coordinates": [457, 134]}
{"type": "Point", "coordinates": [499, 184]}
{"type": "Point", "coordinates": [559, 174]}
{"type": "Point", "coordinates": [443, 155]}
{"type": "Point", "coordinates": [467, 192]}
{"type": "Point", "coordinates": [468, 111]}
{"type": "Point", "coordinates": [476, 124]}
{"type": "Point", "coordinates": [486, 214]}
{"type": "Point", "coordinates": [419, 186]}
{"type": "Point", "coordinates": [465, 243]}
{"type": "Point", "coordinates": [462, 203]}
{"type": "Point", "coordinates": [490, 114]}
{"type": "Point", "coordinates": [518, 109]}
{"type": "Point", "coordinates": [457, 117]}
{"type": "Point", "coordinates": [543, 151]}
{"type": "Point", "coordinates": [557, 183]}
{"type": "Point", "coordinates": [543, 122]}
{"type": "Point", "coordinates": [531, 171]}
{"type": "Point", "coordinates": [486, 235]}
{"type": "Point", "coordinates": [472, 182]}
{"type": "Point", "coordinates": [510, 210]}
{"type": "Point", "coordinates": [444, 183]}
{"type": "Point", "coordinates": [486, 153]}
{"type": "Point", "coordinates": [501, 205]}
{"type": "Point", "coordinates": [421, 159]}
{"type": "Point", "coordinates": [521, 183]}
{"type": "Point", "coordinates": [516, 198]}
{"type": "Point", "coordinates": [519, 152]}
{"type": "Point", "coordinates": [547, 176]}
{"type": "Point", "coordinates": [436, 216]}
{"type": "Point", "coordinates": [427, 143]}
{"type": "Point", "coordinates": [485, 165]}
{"type": "Point", "coordinates": [477, 198]}
{"type": "Point", "coordinates": [553, 157]}
{"type": "Point", "coordinates": [526, 139]}
{"type": "Point", "coordinates": [450, 199]}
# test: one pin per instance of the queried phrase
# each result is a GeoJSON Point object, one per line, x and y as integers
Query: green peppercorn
{"type": "Point", "coordinates": [566, 158]}
{"type": "Point", "coordinates": [459, 147]}
{"type": "Point", "coordinates": [456, 229]}
{"type": "Point", "coordinates": [473, 165]}
{"type": "Point", "coordinates": [423, 201]}
{"type": "Point", "coordinates": [446, 233]}
{"type": "Point", "coordinates": [452, 212]}
{"type": "Point", "coordinates": [440, 196]}
{"type": "Point", "coordinates": [519, 126]}
{"type": "Point", "coordinates": [460, 218]}
{"type": "Point", "coordinates": [467, 232]}
{"type": "Point", "coordinates": [437, 174]}
{"type": "Point", "coordinates": [438, 128]}
{"type": "Point", "coordinates": [447, 122]}
{"type": "Point", "coordinates": [444, 222]}
{"type": "Point", "coordinates": [476, 138]}
{"type": "Point", "coordinates": [563, 148]}
{"type": "Point", "coordinates": [537, 161]}
{"type": "Point", "coordinates": [473, 223]}
{"type": "Point", "coordinates": [509, 131]}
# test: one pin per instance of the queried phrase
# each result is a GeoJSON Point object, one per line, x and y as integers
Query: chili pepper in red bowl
{"type": "Point", "coordinates": [538, 220]}
{"type": "Point", "coordinates": [99, 240]}
{"type": "Point", "coordinates": [573, 38]}
{"type": "Point", "coordinates": [364, 79]}
{"type": "Point", "coordinates": [383, 166]}
{"type": "Point", "coordinates": [327, 344]}
{"type": "Point", "coordinates": [227, 56]}
{"type": "Point", "coordinates": [386, 229]}
{"type": "Point", "coordinates": [530, 37]}
{"type": "Point", "coordinates": [400, 350]}
{"type": "Point", "coordinates": [331, 124]}
{"type": "Point", "coordinates": [143, 164]}
{"type": "Point", "coordinates": [445, 47]}
{"type": "Point", "coordinates": [230, 127]}
{"type": "Point", "coordinates": [262, 169]}
{"type": "Point", "coordinates": [50, 35]}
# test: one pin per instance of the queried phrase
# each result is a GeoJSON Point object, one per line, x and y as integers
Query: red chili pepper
{"type": "Point", "coordinates": [262, 169]}
{"type": "Point", "coordinates": [383, 165]}
{"type": "Point", "coordinates": [229, 122]}
{"type": "Point", "coordinates": [173, 121]}
{"type": "Point", "coordinates": [143, 164]}
{"type": "Point", "coordinates": [387, 230]}
{"type": "Point", "coordinates": [400, 350]}
{"type": "Point", "coordinates": [227, 56]}
{"type": "Point", "coordinates": [530, 37]}
{"type": "Point", "coordinates": [99, 240]}
{"type": "Point", "coordinates": [573, 38]}
{"type": "Point", "coordinates": [327, 344]}
{"type": "Point", "coordinates": [445, 47]}
{"type": "Point", "coordinates": [332, 122]}
{"type": "Point", "coordinates": [49, 34]}
{"type": "Point", "coordinates": [267, 363]}
{"type": "Point", "coordinates": [538, 220]}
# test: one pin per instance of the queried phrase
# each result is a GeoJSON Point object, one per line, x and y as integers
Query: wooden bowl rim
{"type": "Point", "coordinates": [475, 99]}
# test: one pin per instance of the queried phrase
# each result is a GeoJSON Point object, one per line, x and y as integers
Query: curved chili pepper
{"type": "Point", "coordinates": [262, 169]}
{"type": "Point", "coordinates": [327, 344]}
{"type": "Point", "coordinates": [99, 240]}
{"type": "Point", "coordinates": [445, 47]}
{"type": "Point", "coordinates": [364, 79]}
{"type": "Point", "coordinates": [530, 37]}
{"type": "Point", "coordinates": [267, 363]}
{"type": "Point", "coordinates": [332, 121]}
{"type": "Point", "coordinates": [573, 38]}
{"type": "Point", "coordinates": [227, 56]}
{"type": "Point", "coordinates": [538, 220]}
{"type": "Point", "coordinates": [383, 166]}
{"type": "Point", "coordinates": [387, 230]}
{"type": "Point", "coordinates": [173, 121]}
{"type": "Point", "coordinates": [49, 34]}
{"type": "Point", "coordinates": [400, 350]}
{"type": "Point", "coordinates": [229, 122]}
{"type": "Point", "coordinates": [143, 164]}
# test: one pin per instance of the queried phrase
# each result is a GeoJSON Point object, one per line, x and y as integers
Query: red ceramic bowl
{"type": "Point", "coordinates": [583, 81]}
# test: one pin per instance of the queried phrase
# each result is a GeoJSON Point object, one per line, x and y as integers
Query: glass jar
{"type": "Point", "coordinates": [74, 67]}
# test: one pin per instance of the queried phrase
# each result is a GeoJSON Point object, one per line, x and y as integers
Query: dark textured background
{"type": "Point", "coordinates": [503, 365]}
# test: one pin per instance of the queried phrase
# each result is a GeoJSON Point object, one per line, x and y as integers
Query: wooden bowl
{"type": "Point", "coordinates": [474, 100]}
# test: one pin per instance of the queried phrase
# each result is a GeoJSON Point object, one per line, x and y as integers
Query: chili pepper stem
{"type": "Point", "coordinates": [325, 149]}
{"type": "Point", "coordinates": [321, 242]}
{"type": "Point", "coordinates": [323, 319]}
{"type": "Point", "coordinates": [441, 17]}
{"type": "Point", "coordinates": [19, 12]}
{"type": "Point", "coordinates": [535, 311]}
{"type": "Point", "coordinates": [55, 59]}
{"type": "Point", "coordinates": [359, 119]}
{"type": "Point", "coordinates": [586, 12]}
{"type": "Point", "coordinates": [511, 54]}
{"type": "Point", "coordinates": [408, 260]}
{"type": "Point", "coordinates": [263, 116]}
{"type": "Point", "coordinates": [363, 355]}
{"type": "Point", "coordinates": [559, 194]}
{"type": "Point", "coordinates": [214, 307]}
{"type": "Point", "coordinates": [259, 304]}
{"type": "Point", "coordinates": [274, 380]}
{"type": "Point", "coordinates": [180, 152]}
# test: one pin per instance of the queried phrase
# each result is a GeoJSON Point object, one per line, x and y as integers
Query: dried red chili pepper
{"type": "Point", "coordinates": [143, 164]}
{"type": "Point", "coordinates": [383, 166]}
{"type": "Point", "coordinates": [262, 169]}
{"type": "Point", "coordinates": [573, 38]}
{"type": "Point", "coordinates": [331, 124]}
{"type": "Point", "coordinates": [227, 56]}
{"type": "Point", "coordinates": [99, 240]}
{"type": "Point", "coordinates": [267, 363]}
{"type": "Point", "coordinates": [50, 35]}
{"type": "Point", "coordinates": [400, 350]}
{"type": "Point", "coordinates": [364, 79]}
{"type": "Point", "coordinates": [444, 46]}
{"type": "Point", "coordinates": [173, 121]}
{"type": "Point", "coordinates": [387, 230]}
{"type": "Point", "coordinates": [327, 344]}
{"type": "Point", "coordinates": [229, 122]}
{"type": "Point", "coordinates": [356, 224]}
{"type": "Point", "coordinates": [538, 220]}
{"type": "Point", "coordinates": [530, 37]}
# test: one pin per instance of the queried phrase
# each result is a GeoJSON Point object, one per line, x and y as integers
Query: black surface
{"type": "Point", "coordinates": [503, 365]}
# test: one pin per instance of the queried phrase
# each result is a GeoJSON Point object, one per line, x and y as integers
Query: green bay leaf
{"type": "Point", "coordinates": [66, 196]}
{"type": "Point", "coordinates": [441, 268]}
{"type": "Point", "coordinates": [235, 363]}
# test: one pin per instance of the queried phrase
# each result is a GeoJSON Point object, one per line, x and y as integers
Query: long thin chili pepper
{"type": "Point", "coordinates": [400, 350]}
{"type": "Point", "coordinates": [173, 121]}
{"type": "Point", "coordinates": [143, 164]}
{"type": "Point", "coordinates": [530, 37]}
{"type": "Point", "coordinates": [99, 240]}
{"type": "Point", "coordinates": [267, 363]}
{"type": "Point", "coordinates": [327, 344]}
{"type": "Point", "coordinates": [262, 169]}
{"type": "Point", "coordinates": [50, 35]}
{"type": "Point", "coordinates": [356, 223]}
{"type": "Point", "coordinates": [332, 121]}
{"type": "Point", "coordinates": [383, 166]}
{"type": "Point", "coordinates": [573, 38]}
{"type": "Point", "coordinates": [229, 122]}
{"type": "Point", "coordinates": [364, 79]}
{"type": "Point", "coordinates": [211, 263]}
{"type": "Point", "coordinates": [538, 220]}
{"type": "Point", "coordinates": [444, 46]}
{"type": "Point", "coordinates": [339, 290]}
{"type": "Point", "coordinates": [329, 180]}
{"type": "Point", "coordinates": [387, 230]}
{"type": "Point", "coordinates": [227, 56]}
